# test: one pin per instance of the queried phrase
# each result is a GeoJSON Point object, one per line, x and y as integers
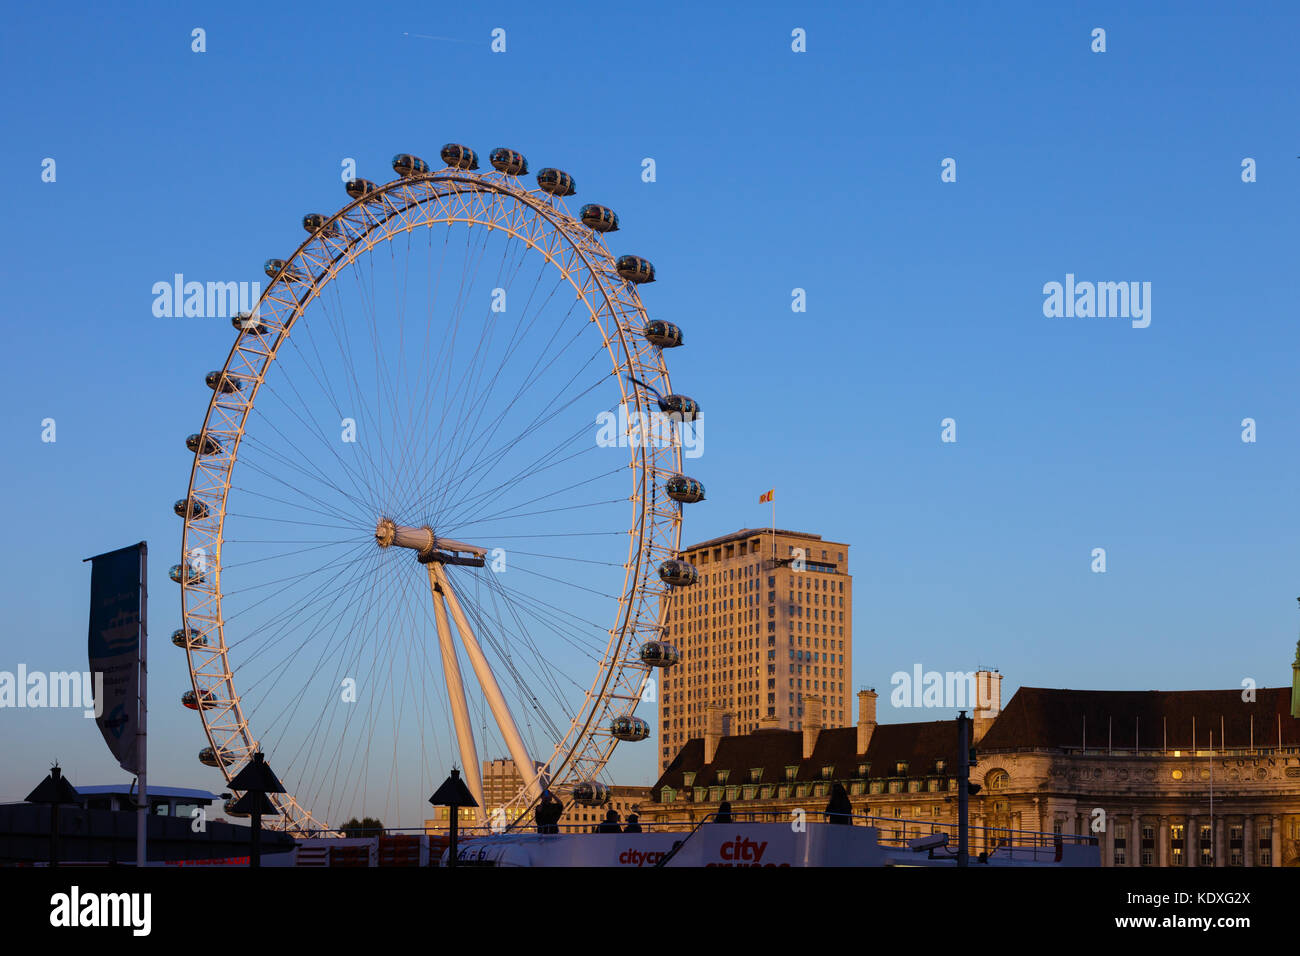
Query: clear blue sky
{"type": "Point", "coordinates": [776, 170]}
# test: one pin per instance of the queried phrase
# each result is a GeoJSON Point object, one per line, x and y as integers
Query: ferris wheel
{"type": "Point", "coordinates": [445, 436]}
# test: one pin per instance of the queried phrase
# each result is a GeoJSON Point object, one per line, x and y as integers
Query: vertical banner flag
{"type": "Point", "coordinates": [115, 628]}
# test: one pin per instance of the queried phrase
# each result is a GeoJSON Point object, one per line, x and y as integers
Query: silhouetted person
{"type": "Point", "coordinates": [839, 809]}
{"type": "Point", "coordinates": [633, 824]}
{"type": "Point", "coordinates": [610, 823]}
{"type": "Point", "coordinates": [724, 812]}
{"type": "Point", "coordinates": [548, 812]}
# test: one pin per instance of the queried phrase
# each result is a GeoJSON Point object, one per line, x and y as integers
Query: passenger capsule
{"type": "Point", "coordinates": [192, 702]}
{"type": "Point", "coordinates": [508, 161]}
{"type": "Point", "coordinates": [191, 575]}
{"type": "Point", "coordinates": [229, 807]}
{"type": "Point", "coordinates": [685, 409]}
{"type": "Point", "coordinates": [203, 445]}
{"type": "Point", "coordinates": [663, 334]}
{"type": "Point", "coordinates": [679, 574]}
{"type": "Point", "coordinates": [459, 157]}
{"type": "Point", "coordinates": [193, 508]}
{"type": "Point", "coordinates": [179, 638]}
{"type": "Point", "coordinates": [314, 222]}
{"type": "Point", "coordinates": [591, 793]}
{"type": "Point", "coordinates": [659, 654]}
{"type": "Point", "coordinates": [635, 269]}
{"type": "Point", "coordinates": [684, 489]}
{"type": "Point", "coordinates": [599, 218]}
{"type": "Point", "coordinates": [273, 267]}
{"type": "Point", "coordinates": [359, 188]}
{"type": "Point", "coordinates": [208, 757]}
{"type": "Point", "coordinates": [218, 381]}
{"type": "Point", "coordinates": [556, 182]}
{"type": "Point", "coordinates": [629, 728]}
{"type": "Point", "coordinates": [406, 165]}
{"type": "Point", "coordinates": [245, 322]}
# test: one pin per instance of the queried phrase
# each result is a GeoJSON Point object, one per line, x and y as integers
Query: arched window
{"type": "Point", "coordinates": [998, 780]}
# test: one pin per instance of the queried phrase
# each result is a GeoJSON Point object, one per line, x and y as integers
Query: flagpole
{"type": "Point", "coordinates": [142, 747]}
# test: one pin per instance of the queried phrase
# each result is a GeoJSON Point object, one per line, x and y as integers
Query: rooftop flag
{"type": "Point", "coordinates": [770, 496]}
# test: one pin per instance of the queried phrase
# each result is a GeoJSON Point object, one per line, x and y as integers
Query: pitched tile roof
{"type": "Point", "coordinates": [1148, 719]}
{"type": "Point", "coordinates": [1035, 718]}
{"type": "Point", "coordinates": [919, 744]}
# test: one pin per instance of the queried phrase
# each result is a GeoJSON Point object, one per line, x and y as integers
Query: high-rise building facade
{"type": "Point", "coordinates": [770, 621]}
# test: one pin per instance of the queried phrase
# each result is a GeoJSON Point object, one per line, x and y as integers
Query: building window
{"type": "Point", "coordinates": [1177, 845]}
{"type": "Point", "coordinates": [1121, 844]}
{"type": "Point", "coordinates": [1264, 851]}
{"type": "Point", "coordinates": [1148, 845]}
{"type": "Point", "coordinates": [1206, 846]}
{"type": "Point", "coordinates": [1236, 846]}
{"type": "Point", "coordinates": [998, 780]}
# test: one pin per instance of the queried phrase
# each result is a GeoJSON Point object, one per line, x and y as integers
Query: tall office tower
{"type": "Point", "coordinates": [770, 620]}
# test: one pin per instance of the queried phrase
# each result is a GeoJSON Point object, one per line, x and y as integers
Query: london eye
{"type": "Point", "coordinates": [404, 546]}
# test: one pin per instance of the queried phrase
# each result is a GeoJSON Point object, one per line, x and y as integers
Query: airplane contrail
{"type": "Point", "coordinates": [426, 36]}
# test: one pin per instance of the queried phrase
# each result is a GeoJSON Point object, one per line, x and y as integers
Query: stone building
{"type": "Point", "coordinates": [1159, 778]}
{"type": "Point", "coordinates": [768, 624]}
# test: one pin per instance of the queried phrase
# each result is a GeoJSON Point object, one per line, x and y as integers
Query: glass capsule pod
{"type": "Point", "coordinates": [314, 222]}
{"type": "Point", "coordinates": [203, 444]}
{"type": "Point", "coordinates": [556, 182]}
{"type": "Point", "coordinates": [659, 654]}
{"type": "Point", "coordinates": [179, 638]}
{"type": "Point", "coordinates": [191, 508]}
{"type": "Point", "coordinates": [208, 757]}
{"type": "Point", "coordinates": [459, 157]}
{"type": "Point", "coordinates": [663, 334]}
{"type": "Point", "coordinates": [357, 188]}
{"type": "Point", "coordinates": [229, 807]}
{"type": "Point", "coordinates": [191, 575]}
{"type": "Point", "coordinates": [683, 407]}
{"type": "Point", "coordinates": [635, 269]}
{"type": "Point", "coordinates": [599, 218]}
{"type": "Point", "coordinates": [406, 165]}
{"type": "Point", "coordinates": [678, 573]}
{"type": "Point", "coordinates": [508, 161]}
{"type": "Point", "coordinates": [591, 793]}
{"type": "Point", "coordinates": [220, 382]}
{"type": "Point", "coordinates": [273, 267]}
{"type": "Point", "coordinates": [629, 728]}
{"type": "Point", "coordinates": [684, 489]}
{"type": "Point", "coordinates": [245, 322]}
{"type": "Point", "coordinates": [190, 700]}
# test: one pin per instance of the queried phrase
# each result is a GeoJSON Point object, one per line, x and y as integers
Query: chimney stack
{"type": "Point", "coordinates": [866, 719]}
{"type": "Point", "coordinates": [712, 731]}
{"type": "Point", "coordinates": [988, 702]}
{"type": "Point", "coordinates": [812, 723]}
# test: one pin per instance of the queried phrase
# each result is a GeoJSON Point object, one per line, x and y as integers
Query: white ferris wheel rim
{"type": "Point", "coordinates": [446, 197]}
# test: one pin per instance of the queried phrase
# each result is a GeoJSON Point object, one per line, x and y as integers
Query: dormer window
{"type": "Point", "coordinates": [827, 771]}
{"type": "Point", "coordinates": [790, 772]}
{"type": "Point", "coordinates": [940, 766]}
{"type": "Point", "coordinates": [688, 779]}
{"type": "Point", "coordinates": [722, 775]}
{"type": "Point", "coordinates": [755, 774]}
{"type": "Point", "coordinates": [900, 768]}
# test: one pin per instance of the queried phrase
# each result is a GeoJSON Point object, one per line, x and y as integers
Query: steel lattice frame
{"type": "Point", "coordinates": [541, 221]}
